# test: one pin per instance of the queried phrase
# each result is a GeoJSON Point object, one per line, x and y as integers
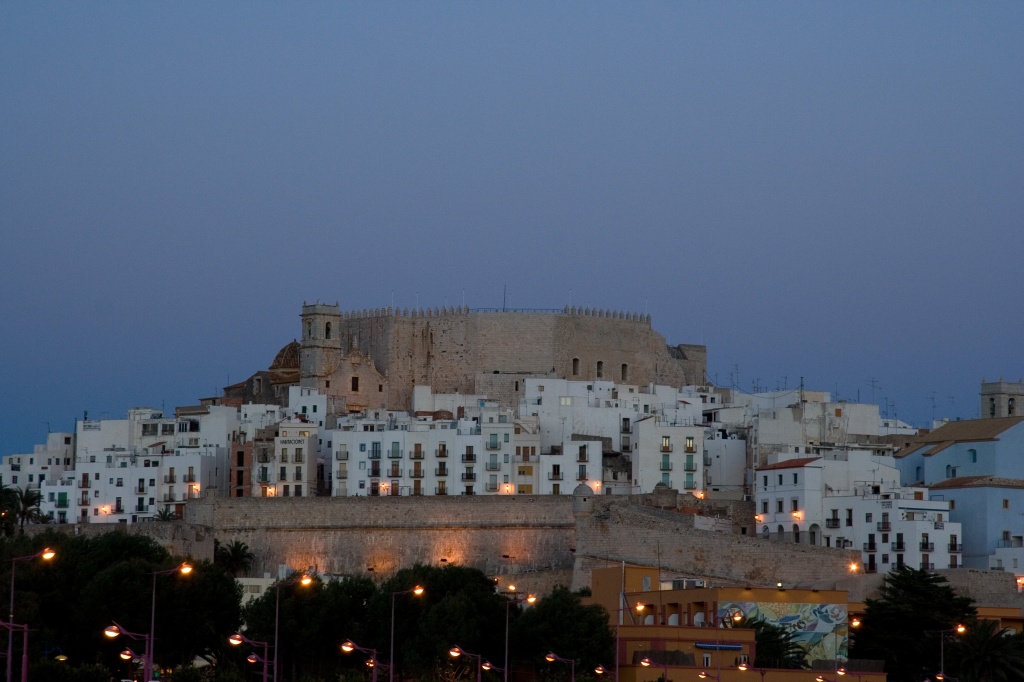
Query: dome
{"type": "Point", "coordinates": [287, 357]}
{"type": "Point", "coordinates": [583, 489]}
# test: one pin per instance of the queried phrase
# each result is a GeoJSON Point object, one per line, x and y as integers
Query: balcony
{"type": "Point", "coordinates": [625, 427]}
{"type": "Point", "coordinates": [688, 485]}
{"type": "Point", "coordinates": [690, 466]}
{"type": "Point", "coordinates": [883, 526]}
{"type": "Point", "coordinates": [468, 491]}
{"type": "Point", "coordinates": [927, 566]}
{"type": "Point", "coordinates": [492, 487]}
{"type": "Point", "coordinates": [374, 454]}
{"type": "Point", "coordinates": [394, 454]}
{"type": "Point", "coordinates": [62, 504]}
{"type": "Point", "coordinates": [927, 546]}
{"type": "Point", "coordinates": [582, 458]}
{"type": "Point", "coordinates": [416, 473]}
{"type": "Point", "coordinates": [955, 548]}
{"type": "Point", "coordinates": [582, 476]}
{"type": "Point", "coordinates": [169, 497]}
{"type": "Point", "coordinates": [84, 483]}
{"type": "Point", "coordinates": [832, 523]}
{"type": "Point", "coordinates": [440, 491]}
{"type": "Point", "coordinates": [555, 476]}
{"type": "Point", "coordinates": [468, 477]}
{"type": "Point", "coordinates": [870, 547]}
{"type": "Point", "coordinates": [898, 547]}
{"type": "Point", "coordinates": [118, 510]}
{"type": "Point", "coordinates": [441, 471]}
{"type": "Point", "coordinates": [665, 466]}
{"type": "Point", "coordinates": [666, 448]}
{"type": "Point", "coordinates": [170, 478]}
{"type": "Point", "coordinates": [141, 509]}
{"type": "Point", "coordinates": [870, 568]}
{"type": "Point", "coordinates": [263, 458]}
{"type": "Point", "coordinates": [690, 449]}
{"type": "Point", "coordinates": [468, 457]}
{"type": "Point", "coordinates": [416, 454]}
{"type": "Point", "coordinates": [140, 490]}
{"type": "Point", "coordinates": [341, 456]}
{"type": "Point", "coordinates": [441, 452]}
{"type": "Point", "coordinates": [84, 501]}
{"type": "Point", "coordinates": [341, 474]}
{"type": "Point", "coordinates": [394, 473]}
{"type": "Point", "coordinates": [493, 445]}
{"type": "Point", "coordinates": [188, 478]}
{"type": "Point", "coordinates": [375, 472]}
{"type": "Point", "coordinates": [494, 466]}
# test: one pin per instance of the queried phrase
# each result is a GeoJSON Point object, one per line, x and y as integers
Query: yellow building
{"type": "Point", "coordinates": [683, 631]}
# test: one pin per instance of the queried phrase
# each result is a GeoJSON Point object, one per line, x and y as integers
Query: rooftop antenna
{"type": "Point", "coordinates": [873, 383]}
{"type": "Point", "coordinates": [570, 298]}
{"type": "Point", "coordinates": [463, 298]}
{"type": "Point", "coordinates": [504, 296]}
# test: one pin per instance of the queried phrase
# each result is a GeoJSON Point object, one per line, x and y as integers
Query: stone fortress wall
{"type": "Point", "coordinates": [489, 352]}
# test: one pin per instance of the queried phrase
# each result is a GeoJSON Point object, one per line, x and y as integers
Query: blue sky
{"type": "Point", "coordinates": [826, 190]}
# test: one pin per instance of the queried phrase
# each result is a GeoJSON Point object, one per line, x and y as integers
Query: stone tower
{"type": "Point", "coordinates": [321, 352]}
{"type": "Point", "coordinates": [1002, 398]}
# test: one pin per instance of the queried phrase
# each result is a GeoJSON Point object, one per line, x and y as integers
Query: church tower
{"type": "Point", "coordinates": [320, 353]}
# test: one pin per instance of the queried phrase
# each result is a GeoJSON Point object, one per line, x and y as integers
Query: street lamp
{"type": "Point", "coordinates": [704, 675]}
{"type": "Point", "coordinates": [647, 662]}
{"type": "Point", "coordinates": [238, 638]}
{"type": "Point", "coordinates": [457, 651]}
{"type": "Point", "coordinates": [24, 646]}
{"type": "Point", "coordinates": [391, 667]}
{"type": "Point", "coordinates": [46, 554]}
{"type": "Point", "coordinates": [147, 667]}
{"type": "Point", "coordinates": [487, 665]}
{"type": "Point", "coordinates": [301, 580]}
{"type": "Point", "coordinates": [514, 599]}
{"type": "Point", "coordinates": [348, 646]}
{"type": "Point", "coordinates": [552, 657]}
{"type": "Point", "coordinates": [618, 626]}
{"type": "Point", "coordinates": [844, 671]}
{"type": "Point", "coordinates": [959, 629]}
{"type": "Point", "coordinates": [115, 630]}
{"type": "Point", "coordinates": [744, 667]}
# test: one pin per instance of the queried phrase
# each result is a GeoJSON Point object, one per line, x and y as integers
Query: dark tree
{"type": "Point", "coordinates": [775, 645]}
{"type": "Point", "coordinates": [904, 624]}
{"type": "Point", "coordinates": [562, 624]}
{"type": "Point", "coordinates": [986, 653]}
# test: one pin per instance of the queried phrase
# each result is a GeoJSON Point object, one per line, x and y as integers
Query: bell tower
{"type": "Point", "coordinates": [320, 352]}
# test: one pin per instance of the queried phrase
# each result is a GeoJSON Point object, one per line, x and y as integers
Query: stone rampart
{"type": "Point", "coordinates": [353, 535]}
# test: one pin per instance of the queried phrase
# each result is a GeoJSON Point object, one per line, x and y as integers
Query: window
{"type": "Point", "coordinates": [600, 369]}
{"type": "Point", "coordinates": [973, 455]}
{"type": "Point", "coordinates": [867, 518]}
{"type": "Point", "coordinates": [849, 517]}
{"type": "Point", "coordinates": [624, 376]}
{"type": "Point", "coordinates": [796, 478]}
{"type": "Point", "coordinates": [355, 383]}
{"type": "Point", "coordinates": [794, 505]}
{"type": "Point", "coordinates": [779, 505]}
{"type": "Point", "coordinates": [764, 506]}
{"type": "Point", "coordinates": [952, 505]}
{"type": "Point", "coordinates": [575, 367]}
{"type": "Point", "coordinates": [565, 401]}
{"type": "Point", "coordinates": [780, 479]}
{"type": "Point", "coordinates": [764, 481]}
{"type": "Point", "coordinates": [1006, 503]}
{"type": "Point", "coordinates": [327, 330]}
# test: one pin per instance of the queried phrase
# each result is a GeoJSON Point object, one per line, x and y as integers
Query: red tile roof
{"type": "Point", "coordinates": [790, 464]}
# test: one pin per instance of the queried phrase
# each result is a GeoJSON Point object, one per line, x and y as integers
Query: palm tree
{"type": "Point", "coordinates": [24, 505]}
{"type": "Point", "coordinates": [234, 558]}
{"type": "Point", "coordinates": [8, 504]}
{"type": "Point", "coordinates": [989, 653]}
{"type": "Point", "coordinates": [166, 514]}
{"type": "Point", "coordinates": [775, 645]}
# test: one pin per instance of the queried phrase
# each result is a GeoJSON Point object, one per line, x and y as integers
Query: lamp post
{"type": "Point", "coordinates": [639, 608]}
{"type": "Point", "coordinates": [24, 645]}
{"type": "Point", "coordinates": [647, 662]}
{"type": "Point", "coordinates": [514, 598]}
{"type": "Point", "coordinates": [704, 675]}
{"type": "Point", "coordinates": [844, 671]}
{"type": "Point", "coordinates": [302, 580]}
{"type": "Point", "coordinates": [348, 646]}
{"type": "Point", "coordinates": [238, 638]}
{"type": "Point", "coordinates": [551, 657]}
{"type": "Point", "coordinates": [487, 665]}
{"type": "Point", "coordinates": [391, 657]}
{"type": "Point", "coordinates": [114, 630]}
{"type": "Point", "coordinates": [457, 651]}
{"type": "Point", "coordinates": [959, 629]}
{"type": "Point", "coordinates": [744, 667]}
{"type": "Point", "coordinates": [46, 554]}
{"type": "Point", "coordinates": [184, 568]}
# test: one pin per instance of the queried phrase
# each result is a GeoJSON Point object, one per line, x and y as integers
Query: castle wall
{"type": "Point", "coordinates": [351, 535]}
{"type": "Point", "coordinates": [451, 349]}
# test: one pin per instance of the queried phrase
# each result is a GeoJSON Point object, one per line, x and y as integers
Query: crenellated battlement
{"type": "Point", "coordinates": [462, 311]}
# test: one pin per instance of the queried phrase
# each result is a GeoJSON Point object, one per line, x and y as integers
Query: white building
{"type": "Point", "coordinates": [853, 499]}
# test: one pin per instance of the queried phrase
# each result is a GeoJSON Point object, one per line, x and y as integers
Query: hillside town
{"type": "Point", "coordinates": [813, 470]}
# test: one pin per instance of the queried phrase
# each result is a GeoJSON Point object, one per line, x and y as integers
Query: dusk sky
{"type": "Point", "coordinates": [826, 190]}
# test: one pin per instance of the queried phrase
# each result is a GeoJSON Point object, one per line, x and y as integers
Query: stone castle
{"type": "Point", "coordinates": [373, 358]}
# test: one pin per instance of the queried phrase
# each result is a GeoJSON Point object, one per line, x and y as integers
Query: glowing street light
{"type": "Point", "coordinates": [551, 657]}
{"type": "Point", "coordinates": [303, 580]}
{"type": "Point", "coordinates": [239, 638]}
{"type": "Point", "coordinates": [348, 646]}
{"type": "Point", "coordinates": [515, 598]}
{"type": "Point", "coordinates": [46, 554]}
{"type": "Point", "coordinates": [417, 591]}
{"type": "Point", "coordinates": [184, 568]}
{"type": "Point", "coordinates": [457, 651]}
